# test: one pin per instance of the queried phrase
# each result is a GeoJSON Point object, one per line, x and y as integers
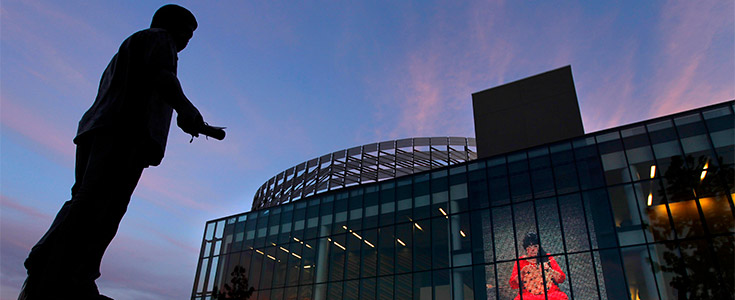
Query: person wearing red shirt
{"type": "Point", "coordinates": [539, 275]}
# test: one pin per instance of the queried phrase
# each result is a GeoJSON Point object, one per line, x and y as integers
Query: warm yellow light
{"type": "Point", "coordinates": [295, 239]}
{"type": "Point", "coordinates": [307, 246]}
{"type": "Point", "coordinates": [261, 252]}
{"type": "Point", "coordinates": [704, 171]}
{"type": "Point", "coordinates": [307, 267]}
{"type": "Point", "coordinates": [296, 255]}
{"type": "Point", "coordinates": [653, 171]}
{"type": "Point", "coordinates": [345, 227]}
{"type": "Point", "coordinates": [271, 257]}
{"type": "Point", "coordinates": [368, 243]}
{"type": "Point", "coordinates": [401, 242]}
{"type": "Point", "coordinates": [284, 249]}
{"type": "Point", "coordinates": [356, 235]}
{"type": "Point", "coordinates": [462, 233]}
{"type": "Point", "coordinates": [417, 226]}
{"type": "Point", "coordinates": [340, 246]}
{"type": "Point", "coordinates": [442, 211]}
{"type": "Point", "coordinates": [650, 199]}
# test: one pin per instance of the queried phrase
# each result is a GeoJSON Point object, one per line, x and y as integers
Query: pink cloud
{"type": "Point", "coordinates": [10, 203]}
{"type": "Point", "coordinates": [37, 129]}
{"type": "Point", "coordinates": [691, 75]}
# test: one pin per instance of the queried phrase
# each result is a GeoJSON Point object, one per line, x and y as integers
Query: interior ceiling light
{"type": "Point", "coordinates": [653, 171]}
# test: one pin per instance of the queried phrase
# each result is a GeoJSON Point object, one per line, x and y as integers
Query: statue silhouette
{"type": "Point", "coordinates": [123, 132]}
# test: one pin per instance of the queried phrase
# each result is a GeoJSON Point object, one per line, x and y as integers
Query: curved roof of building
{"type": "Point", "coordinates": [363, 164]}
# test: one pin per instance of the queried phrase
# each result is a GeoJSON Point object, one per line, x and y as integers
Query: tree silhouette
{"type": "Point", "coordinates": [695, 273]}
{"type": "Point", "coordinates": [239, 290]}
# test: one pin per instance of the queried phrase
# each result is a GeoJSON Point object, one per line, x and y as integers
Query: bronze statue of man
{"type": "Point", "coordinates": [123, 132]}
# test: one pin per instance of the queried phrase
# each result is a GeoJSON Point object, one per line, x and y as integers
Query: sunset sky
{"type": "Point", "coordinates": [293, 80]}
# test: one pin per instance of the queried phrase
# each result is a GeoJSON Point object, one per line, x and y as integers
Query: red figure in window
{"type": "Point", "coordinates": [538, 275]}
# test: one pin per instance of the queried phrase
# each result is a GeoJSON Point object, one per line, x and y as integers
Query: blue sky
{"type": "Point", "coordinates": [293, 80]}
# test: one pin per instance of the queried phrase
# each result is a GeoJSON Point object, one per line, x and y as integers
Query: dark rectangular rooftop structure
{"type": "Point", "coordinates": [533, 111]}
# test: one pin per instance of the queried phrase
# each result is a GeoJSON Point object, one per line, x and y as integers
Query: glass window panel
{"type": "Point", "coordinates": [294, 263]}
{"type": "Point", "coordinates": [422, 207]}
{"type": "Point", "coordinates": [718, 214]}
{"type": "Point", "coordinates": [269, 263]}
{"type": "Point", "coordinates": [520, 183]}
{"type": "Point", "coordinates": [367, 289]}
{"type": "Point", "coordinates": [458, 196]}
{"type": "Point", "coordinates": [589, 168]}
{"type": "Point", "coordinates": [525, 222]}
{"type": "Point", "coordinates": [320, 292]}
{"type": "Point", "coordinates": [212, 274]}
{"type": "Point", "coordinates": [369, 261]}
{"type": "Point", "coordinates": [387, 204]}
{"type": "Point", "coordinates": [713, 180]}
{"type": "Point", "coordinates": [207, 249]}
{"type": "Point", "coordinates": [209, 231]}
{"type": "Point", "coordinates": [686, 219]}
{"type": "Point", "coordinates": [724, 250]}
{"type": "Point", "coordinates": [256, 266]}
{"type": "Point", "coordinates": [220, 229]}
{"type": "Point", "coordinates": [335, 290]}
{"type": "Point", "coordinates": [440, 242]}
{"type": "Point", "coordinates": [609, 275]}
{"type": "Point", "coordinates": [351, 289]}
{"type": "Point", "coordinates": [498, 184]}
{"type": "Point", "coordinates": [505, 291]}
{"type": "Point", "coordinates": [582, 277]}
{"type": "Point", "coordinates": [542, 178]}
{"type": "Point", "coordinates": [264, 295]}
{"type": "Point", "coordinates": [422, 285]}
{"type": "Point", "coordinates": [217, 248]}
{"type": "Point", "coordinates": [202, 274]}
{"type": "Point", "coordinates": [439, 205]}
{"type": "Point", "coordinates": [277, 294]}
{"type": "Point", "coordinates": [422, 245]}
{"type": "Point", "coordinates": [281, 266]}
{"type": "Point", "coordinates": [308, 262]}
{"type": "Point", "coordinates": [720, 125]}
{"type": "Point", "coordinates": [305, 292]}
{"type": "Point", "coordinates": [503, 231]}
{"type": "Point", "coordinates": [666, 262]}
{"type": "Point", "coordinates": [654, 211]}
{"type": "Point", "coordinates": [403, 210]}
{"type": "Point", "coordinates": [638, 272]}
{"type": "Point", "coordinates": [441, 284]}
{"type": "Point", "coordinates": [485, 286]}
{"type": "Point", "coordinates": [386, 250]}
{"type": "Point", "coordinates": [322, 262]}
{"type": "Point", "coordinates": [599, 219]}
{"type": "Point", "coordinates": [573, 223]}
{"type": "Point", "coordinates": [478, 195]}
{"type": "Point", "coordinates": [680, 179]}
{"type": "Point", "coordinates": [354, 245]}
{"type": "Point", "coordinates": [613, 158]}
{"type": "Point", "coordinates": [549, 225]}
{"type": "Point", "coordinates": [337, 258]}
{"type": "Point", "coordinates": [700, 269]}
{"type": "Point", "coordinates": [557, 276]}
{"type": "Point", "coordinates": [482, 241]}
{"type": "Point", "coordinates": [385, 288]}
{"type": "Point", "coordinates": [461, 240]}
{"type": "Point", "coordinates": [640, 156]}
{"type": "Point", "coordinates": [404, 247]}
{"type": "Point", "coordinates": [404, 287]}
{"type": "Point", "coordinates": [627, 217]}
{"type": "Point", "coordinates": [565, 178]}
{"type": "Point", "coordinates": [462, 284]}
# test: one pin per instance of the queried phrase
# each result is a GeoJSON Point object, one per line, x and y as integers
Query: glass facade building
{"type": "Point", "coordinates": [642, 211]}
